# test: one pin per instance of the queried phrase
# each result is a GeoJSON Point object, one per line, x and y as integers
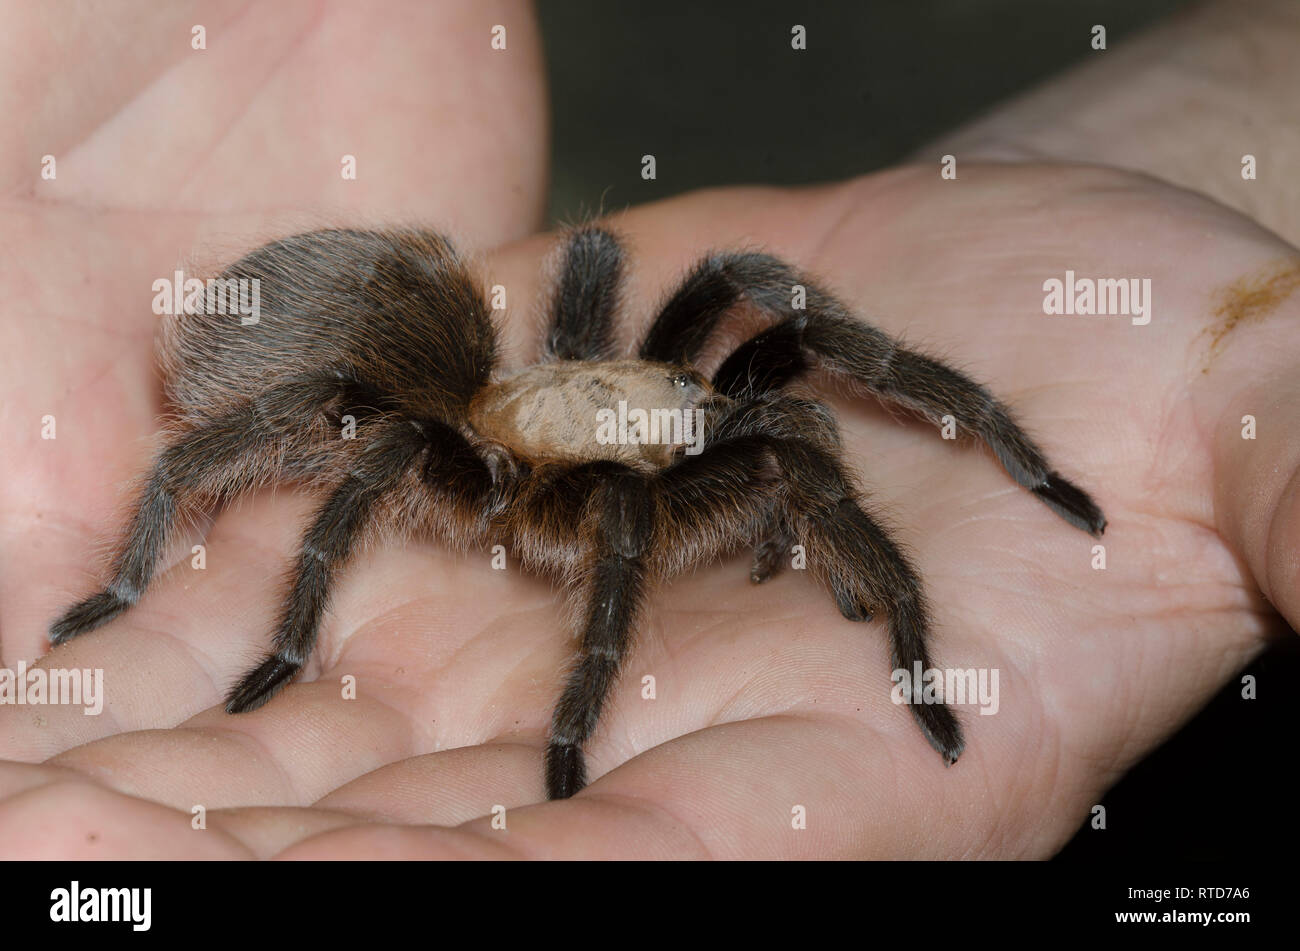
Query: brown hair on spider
{"type": "Point", "coordinates": [391, 328]}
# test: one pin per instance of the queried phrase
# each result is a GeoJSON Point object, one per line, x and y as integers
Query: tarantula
{"type": "Point", "coordinates": [391, 328]}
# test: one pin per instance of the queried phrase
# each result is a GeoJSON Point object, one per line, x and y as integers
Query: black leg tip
{"type": "Point", "coordinates": [851, 607]}
{"type": "Point", "coordinates": [942, 729]}
{"type": "Point", "coordinates": [858, 613]}
{"type": "Point", "coordinates": [261, 684]}
{"type": "Point", "coordinates": [87, 615]}
{"type": "Point", "coordinates": [566, 773]}
{"type": "Point", "coordinates": [1072, 504]}
{"type": "Point", "coordinates": [767, 562]}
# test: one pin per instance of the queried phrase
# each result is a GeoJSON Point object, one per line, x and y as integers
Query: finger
{"type": "Point", "coordinates": [79, 437]}
{"type": "Point", "coordinates": [69, 818]}
{"type": "Point", "coordinates": [442, 126]}
{"type": "Point", "coordinates": [265, 831]}
{"type": "Point", "coordinates": [713, 794]}
{"type": "Point", "coordinates": [448, 787]}
{"type": "Point", "coordinates": [1248, 404]}
{"type": "Point", "coordinates": [1167, 103]}
{"type": "Point", "coordinates": [177, 651]}
{"type": "Point", "coordinates": [407, 664]}
{"type": "Point", "coordinates": [81, 397]}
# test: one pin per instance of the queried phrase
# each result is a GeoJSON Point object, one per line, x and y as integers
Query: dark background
{"type": "Point", "coordinates": [714, 91]}
{"type": "Point", "coordinates": [716, 94]}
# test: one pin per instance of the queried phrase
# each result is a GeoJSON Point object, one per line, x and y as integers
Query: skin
{"type": "Point", "coordinates": [766, 698]}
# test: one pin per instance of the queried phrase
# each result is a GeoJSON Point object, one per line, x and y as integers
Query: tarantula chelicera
{"type": "Point", "coordinates": [392, 329]}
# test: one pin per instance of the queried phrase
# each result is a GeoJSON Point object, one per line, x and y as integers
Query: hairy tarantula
{"type": "Point", "coordinates": [392, 329]}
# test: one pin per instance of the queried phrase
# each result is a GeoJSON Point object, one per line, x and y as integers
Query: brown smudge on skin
{"type": "Point", "coordinates": [1249, 298]}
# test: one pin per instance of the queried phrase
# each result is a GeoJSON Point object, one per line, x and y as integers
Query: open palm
{"type": "Point", "coordinates": [764, 698]}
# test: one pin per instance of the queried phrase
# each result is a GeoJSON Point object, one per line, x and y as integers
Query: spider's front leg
{"type": "Point", "coordinates": [825, 333]}
{"type": "Point", "coordinates": [849, 550]}
{"type": "Point", "coordinates": [586, 297]}
{"type": "Point", "coordinates": [614, 580]}
{"type": "Point", "coordinates": [773, 546]}
{"type": "Point", "coordinates": [864, 569]}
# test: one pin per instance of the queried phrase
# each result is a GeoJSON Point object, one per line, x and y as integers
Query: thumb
{"type": "Point", "coordinates": [1255, 443]}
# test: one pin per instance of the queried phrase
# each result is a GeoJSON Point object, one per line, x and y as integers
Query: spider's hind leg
{"type": "Point", "coordinates": [215, 460]}
{"type": "Point", "coordinates": [382, 470]}
{"type": "Point", "coordinates": [327, 544]}
{"type": "Point", "coordinates": [151, 523]}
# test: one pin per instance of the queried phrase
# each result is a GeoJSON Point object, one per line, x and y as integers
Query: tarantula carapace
{"type": "Point", "coordinates": [391, 329]}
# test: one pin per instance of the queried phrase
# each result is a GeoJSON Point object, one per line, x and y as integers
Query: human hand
{"type": "Point", "coordinates": [767, 698]}
{"type": "Point", "coordinates": [161, 149]}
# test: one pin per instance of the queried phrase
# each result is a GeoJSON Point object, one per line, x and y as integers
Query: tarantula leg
{"type": "Point", "coordinates": [772, 550]}
{"type": "Point", "coordinates": [935, 390]}
{"type": "Point", "coordinates": [865, 569]}
{"type": "Point", "coordinates": [855, 557]}
{"type": "Point", "coordinates": [764, 363]}
{"type": "Point", "coordinates": [151, 523]}
{"type": "Point", "coordinates": [503, 473]}
{"type": "Point", "coordinates": [865, 565]}
{"type": "Point", "coordinates": [217, 459]}
{"type": "Point", "coordinates": [824, 332]}
{"type": "Point", "coordinates": [326, 546]}
{"type": "Point", "coordinates": [715, 285]}
{"type": "Point", "coordinates": [615, 584]}
{"type": "Point", "coordinates": [587, 297]}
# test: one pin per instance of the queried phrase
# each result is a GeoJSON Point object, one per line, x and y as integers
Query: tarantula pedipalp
{"type": "Point", "coordinates": [392, 329]}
